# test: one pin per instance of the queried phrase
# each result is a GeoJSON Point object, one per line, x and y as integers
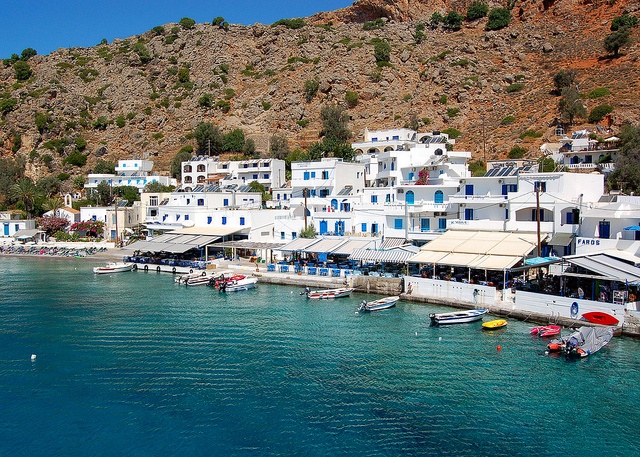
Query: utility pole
{"type": "Point", "coordinates": [537, 185]}
{"type": "Point", "coordinates": [304, 194]}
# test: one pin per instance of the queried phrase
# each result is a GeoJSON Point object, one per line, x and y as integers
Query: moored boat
{"type": "Point", "coordinates": [328, 293]}
{"type": "Point", "coordinates": [600, 317]}
{"type": "Point", "coordinates": [458, 317]}
{"type": "Point", "coordinates": [546, 331]}
{"type": "Point", "coordinates": [494, 324]}
{"type": "Point", "coordinates": [583, 342]}
{"type": "Point", "coordinates": [113, 267]}
{"type": "Point", "coordinates": [377, 305]}
{"type": "Point", "coordinates": [235, 285]}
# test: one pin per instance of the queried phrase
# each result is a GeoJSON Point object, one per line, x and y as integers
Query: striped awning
{"type": "Point", "coordinates": [299, 244]}
{"type": "Point", "coordinates": [353, 244]}
{"type": "Point", "coordinates": [386, 256]}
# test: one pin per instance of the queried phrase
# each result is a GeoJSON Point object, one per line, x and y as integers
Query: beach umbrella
{"type": "Point", "coordinates": [633, 228]}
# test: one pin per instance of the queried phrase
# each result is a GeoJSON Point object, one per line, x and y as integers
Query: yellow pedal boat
{"type": "Point", "coordinates": [495, 324]}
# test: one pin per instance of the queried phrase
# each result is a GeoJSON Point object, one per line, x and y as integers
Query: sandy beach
{"type": "Point", "coordinates": [103, 250]}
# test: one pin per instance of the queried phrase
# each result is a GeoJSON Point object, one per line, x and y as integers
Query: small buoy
{"type": "Point", "coordinates": [439, 338]}
{"type": "Point", "coordinates": [416, 333]}
{"type": "Point", "coordinates": [499, 348]}
{"type": "Point", "coordinates": [33, 357]}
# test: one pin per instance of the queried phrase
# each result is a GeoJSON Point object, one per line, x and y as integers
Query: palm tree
{"type": "Point", "coordinates": [24, 190]}
{"type": "Point", "coordinates": [53, 204]}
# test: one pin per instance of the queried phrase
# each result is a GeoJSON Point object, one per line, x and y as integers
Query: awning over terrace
{"type": "Point", "coordinates": [481, 250]}
{"type": "Point", "coordinates": [172, 243]}
{"type": "Point", "coordinates": [608, 267]}
{"type": "Point", "coordinates": [400, 255]}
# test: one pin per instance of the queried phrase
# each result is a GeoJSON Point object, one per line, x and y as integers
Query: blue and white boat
{"type": "Point", "coordinates": [377, 305]}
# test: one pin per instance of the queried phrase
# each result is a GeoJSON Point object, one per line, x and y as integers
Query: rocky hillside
{"type": "Point", "coordinates": [146, 94]}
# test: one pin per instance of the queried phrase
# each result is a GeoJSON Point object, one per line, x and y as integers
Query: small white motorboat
{"type": "Point", "coordinates": [236, 285]}
{"type": "Point", "coordinates": [328, 293]}
{"type": "Point", "coordinates": [458, 317]}
{"type": "Point", "coordinates": [377, 305]}
{"type": "Point", "coordinates": [113, 267]}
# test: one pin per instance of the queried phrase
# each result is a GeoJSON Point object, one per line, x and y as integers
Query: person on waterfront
{"type": "Point", "coordinates": [580, 292]}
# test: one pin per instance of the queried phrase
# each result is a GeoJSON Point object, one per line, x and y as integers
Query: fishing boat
{"type": "Point", "coordinates": [494, 324]}
{"type": "Point", "coordinates": [377, 305]}
{"type": "Point", "coordinates": [236, 285]}
{"type": "Point", "coordinates": [328, 293]}
{"type": "Point", "coordinates": [599, 317]}
{"type": "Point", "coordinates": [583, 342]}
{"type": "Point", "coordinates": [113, 267]}
{"type": "Point", "coordinates": [546, 331]}
{"type": "Point", "coordinates": [458, 317]}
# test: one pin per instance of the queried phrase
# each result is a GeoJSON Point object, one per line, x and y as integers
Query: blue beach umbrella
{"type": "Point", "coordinates": [633, 228]}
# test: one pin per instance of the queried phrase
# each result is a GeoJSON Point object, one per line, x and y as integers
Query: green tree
{"type": "Point", "coordinates": [614, 41]}
{"type": "Point", "coordinates": [279, 146]}
{"type": "Point", "coordinates": [234, 141]}
{"type": "Point", "coordinates": [42, 121]}
{"type": "Point", "coordinates": [209, 138]}
{"type": "Point", "coordinates": [22, 70]}
{"type": "Point", "coordinates": [563, 79]}
{"type": "Point", "coordinates": [55, 204]}
{"type": "Point", "coordinates": [187, 23]}
{"type": "Point", "coordinates": [599, 113]}
{"type": "Point", "coordinates": [334, 123]}
{"type": "Point", "coordinates": [453, 20]}
{"type": "Point", "coordinates": [477, 10]}
{"type": "Point", "coordinates": [25, 191]}
{"type": "Point", "coordinates": [183, 75]}
{"type": "Point", "coordinates": [49, 186]}
{"type": "Point", "coordinates": [155, 186]}
{"type": "Point", "coordinates": [624, 21]}
{"type": "Point", "coordinates": [183, 155]}
{"type": "Point", "coordinates": [28, 53]}
{"type": "Point", "coordinates": [308, 232]}
{"type": "Point", "coordinates": [128, 193]}
{"type": "Point", "coordinates": [381, 50]}
{"type": "Point", "coordinates": [142, 51]}
{"type": "Point", "coordinates": [571, 105]}
{"type": "Point", "coordinates": [104, 167]}
{"type": "Point", "coordinates": [249, 147]}
{"type": "Point", "coordinates": [499, 18]}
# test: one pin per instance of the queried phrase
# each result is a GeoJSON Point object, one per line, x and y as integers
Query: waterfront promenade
{"type": "Point", "coordinates": [495, 301]}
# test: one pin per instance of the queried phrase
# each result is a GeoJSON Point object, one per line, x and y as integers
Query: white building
{"type": "Point", "coordinates": [136, 173]}
{"type": "Point", "coordinates": [11, 223]}
{"type": "Point", "coordinates": [204, 170]}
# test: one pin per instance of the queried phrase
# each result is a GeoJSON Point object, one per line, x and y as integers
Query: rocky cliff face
{"type": "Point", "coordinates": [146, 94]}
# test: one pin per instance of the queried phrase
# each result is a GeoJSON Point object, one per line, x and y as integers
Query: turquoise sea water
{"type": "Point", "coordinates": [132, 364]}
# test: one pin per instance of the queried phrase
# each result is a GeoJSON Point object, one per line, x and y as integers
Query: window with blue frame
{"type": "Point", "coordinates": [325, 175]}
{"type": "Point", "coordinates": [442, 223]}
{"type": "Point", "coordinates": [255, 176]}
{"type": "Point", "coordinates": [438, 197]}
{"type": "Point", "coordinates": [397, 223]}
{"type": "Point", "coordinates": [425, 224]}
{"type": "Point", "coordinates": [306, 175]}
{"type": "Point", "coordinates": [225, 202]}
{"type": "Point", "coordinates": [363, 227]}
{"type": "Point", "coordinates": [374, 228]}
{"type": "Point", "coordinates": [374, 199]}
{"type": "Point", "coordinates": [313, 174]}
{"type": "Point", "coordinates": [324, 192]}
{"type": "Point", "coordinates": [468, 214]}
{"type": "Point", "coordinates": [294, 235]}
{"type": "Point", "coordinates": [209, 219]}
{"type": "Point", "coordinates": [242, 221]}
{"type": "Point", "coordinates": [186, 217]}
{"type": "Point", "coordinates": [177, 217]}
{"type": "Point", "coordinates": [282, 235]}
{"type": "Point", "coordinates": [201, 202]}
{"type": "Point", "coordinates": [265, 176]}
{"type": "Point", "coordinates": [224, 220]}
